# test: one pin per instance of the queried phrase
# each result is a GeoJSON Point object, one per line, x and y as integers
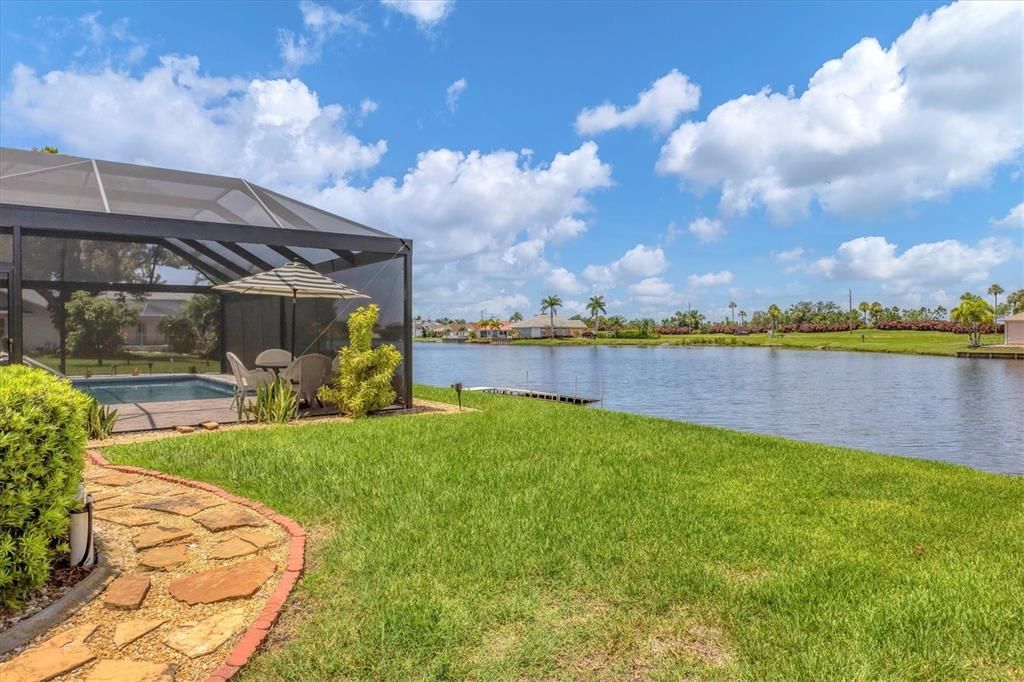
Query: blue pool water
{"type": "Point", "coordinates": [152, 389]}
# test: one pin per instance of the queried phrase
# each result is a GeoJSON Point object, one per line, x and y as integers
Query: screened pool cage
{"type": "Point", "coordinates": [155, 241]}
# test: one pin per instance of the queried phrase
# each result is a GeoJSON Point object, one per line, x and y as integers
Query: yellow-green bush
{"type": "Point", "coordinates": [364, 373]}
{"type": "Point", "coordinates": [42, 441]}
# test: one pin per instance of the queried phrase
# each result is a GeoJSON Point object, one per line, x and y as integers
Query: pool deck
{"type": "Point", "coordinates": [167, 415]}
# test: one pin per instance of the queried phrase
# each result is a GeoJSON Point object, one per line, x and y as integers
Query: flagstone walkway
{"type": "Point", "coordinates": [204, 576]}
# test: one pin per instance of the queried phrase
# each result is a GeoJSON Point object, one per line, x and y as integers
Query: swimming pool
{"type": "Point", "coordinates": [153, 389]}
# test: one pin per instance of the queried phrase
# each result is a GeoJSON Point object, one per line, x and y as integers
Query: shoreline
{"type": "Point", "coordinates": [937, 344]}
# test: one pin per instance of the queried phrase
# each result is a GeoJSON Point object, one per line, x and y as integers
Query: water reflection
{"type": "Point", "coordinates": [964, 411]}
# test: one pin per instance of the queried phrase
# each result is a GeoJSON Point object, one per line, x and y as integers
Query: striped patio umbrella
{"type": "Point", "coordinates": [293, 281]}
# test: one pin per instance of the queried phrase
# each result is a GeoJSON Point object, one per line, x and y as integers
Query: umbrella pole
{"type": "Point", "coordinates": [293, 325]}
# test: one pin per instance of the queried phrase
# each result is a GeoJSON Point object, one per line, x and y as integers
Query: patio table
{"type": "Point", "coordinates": [275, 367]}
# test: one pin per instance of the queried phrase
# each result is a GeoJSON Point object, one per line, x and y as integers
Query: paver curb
{"type": "Point", "coordinates": [258, 630]}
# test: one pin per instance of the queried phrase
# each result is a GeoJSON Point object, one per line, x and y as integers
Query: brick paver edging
{"type": "Point", "coordinates": [254, 636]}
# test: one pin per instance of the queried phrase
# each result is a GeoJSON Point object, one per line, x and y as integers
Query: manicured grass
{"type": "Point", "coordinates": [534, 540]}
{"type": "Point", "coordinates": [125, 364]}
{"type": "Point", "coordinates": [869, 340]}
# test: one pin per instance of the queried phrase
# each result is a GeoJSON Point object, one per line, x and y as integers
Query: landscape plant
{"type": "Point", "coordinates": [100, 419]}
{"type": "Point", "coordinates": [275, 403]}
{"type": "Point", "coordinates": [365, 373]}
{"type": "Point", "coordinates": [42, 441]}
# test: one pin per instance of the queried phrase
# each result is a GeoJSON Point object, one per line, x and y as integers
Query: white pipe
{"type": "Point", "coordinates": [82, 550]}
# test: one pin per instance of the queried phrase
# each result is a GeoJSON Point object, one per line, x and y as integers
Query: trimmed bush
{"type": "Point", "coordinates": [42, 441]}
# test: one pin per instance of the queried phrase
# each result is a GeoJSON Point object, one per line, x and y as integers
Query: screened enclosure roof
{"type": "Point", "coordinates": [33, 178]}
{"type": "Point", "coordinates": [192, 205]}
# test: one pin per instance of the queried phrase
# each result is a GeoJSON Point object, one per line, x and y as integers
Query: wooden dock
{"type": "Point", "coordinates": [992, 355]}
{"type": "Point", "coordinates": [538, 395]}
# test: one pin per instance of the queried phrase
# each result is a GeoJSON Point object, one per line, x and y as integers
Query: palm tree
{"type": "Point", "coordinates": [876, 312]}
{"type": "Point", "coordinates": [864, 307]}
{"type": "Point", "coordinates": [994, 292]}
{"type": "Point", "coordinates": [596, 305]}
{"type": "Point", "coordinates": [775, 312]}
{"type": "Point", "coordinates": [743, 317]}
{"type": "Point", "coordinates": [516, 317]}
{"type": "Point", "coordinates": [732, 307]}
{"type": "Point", "coordinates": [549, 305]}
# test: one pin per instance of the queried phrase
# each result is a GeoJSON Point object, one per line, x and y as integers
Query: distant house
{"type": "Point", "coordinates": [145, 333]}
{"type": "Point", "coordinates": [539, 327]}
{"type": "Point", "coordinates": [487, 332]}
{"type": "Point", "coordinates": [1013, 333]}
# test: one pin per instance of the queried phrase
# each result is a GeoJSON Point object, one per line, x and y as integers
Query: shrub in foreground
{"type": "Point", "coordinates": [42, 441]}
{"type": "Point", "coordinates": [365, 374]}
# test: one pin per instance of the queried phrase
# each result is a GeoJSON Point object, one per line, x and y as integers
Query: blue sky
{"type": "Point", "coordinates": [659, 154]}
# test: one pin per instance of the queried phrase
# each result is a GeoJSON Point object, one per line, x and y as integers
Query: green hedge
{"type": "Point", "coordinates": [42, 444]}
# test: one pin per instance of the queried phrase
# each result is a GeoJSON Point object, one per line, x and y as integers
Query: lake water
{"type": "Point", "coordinates": [952, 409]}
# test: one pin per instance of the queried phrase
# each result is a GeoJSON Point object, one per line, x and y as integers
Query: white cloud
{"type": "Point", "coordinates": [640, 261]}
{"type": "Point", "coordinates": [1015, 218]}
{"type": "Point", "coordinates": [564, 282]}
{"type": "Point", "coordinates": [709, 279]}
{"type": "Point", "coordinates": [707, 229]}
{"type": "Point", "coordinates": [102, 44]}
{"type": "Point", "coordinates": [453, 92]}
{"type": "Point", "coordinates": [788, 256]}
{"type": "Point", "coordinates": [929, 264]}
{"type": "Point", "coordinates": [367, 106]}
{"type": "Point", "coordinates": [938, 110]}
{"type": "Point", "coordinates": [458, 205]}
{"type": "Point", "coordinates": [659, 107]}
{"type": "Point", "coordinates": [426, 13]}
{"type": "Point", "coordinates": [320, 23]}
{"type": "Point", "coordinates": [274, 132]}
{"type": "Point", "coordinates": [654, 291]}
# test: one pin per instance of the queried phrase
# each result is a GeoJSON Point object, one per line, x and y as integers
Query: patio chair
{"type": "Point", "coordinates": [307, 374]}
{"type": "Point", "coordinates": [246, 379]}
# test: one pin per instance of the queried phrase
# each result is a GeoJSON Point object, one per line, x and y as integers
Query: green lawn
{"type": "Point", "coordinates": [534, 540]}
{"type": "Point", "coordinates": [162, 363]}
{"type": "Point", "coordinates": [922, 343]}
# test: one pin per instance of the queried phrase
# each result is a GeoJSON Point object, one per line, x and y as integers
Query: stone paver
{"type": "Point", "coordinates": [188, 504]}
{"type": "Point", "coordinates": [133, 518]}
{"type": "Point", "coordinates": [206, 635]}
{"type": "Point", "coordinates": [220, 584]}
{"type": "Point", "coordinates": [232, 549]}
{"type": "Point", "coordinates": [129, 631]}
{"type": "Point", "coordinates": [160, 535]}
{"type": "Point", "coordinates": [45, 663]}
{"type": "Point", "coordinates": [182, 428]}
{"type": "Point", "coordinates": [157, 487]}
{"type": "Point", "coordinates": [59, 654]}
{"type": "Point", "coordinates": [76, 635]}
{"type": "Point", "coordinates": [118, 478]}
{"type": "Point", "coordinates": [131, 671]}
{"type": "Point", "coordinates": [210, 426]}
{"type": "Point", "coordinates": [117, 501]}
{"type": "Point", "coordinates": [100, 494]}
{"type": "Point", "coordinates": [255, 537]}
{"type": "Point", "coordinates": [127, 592]}
{"type": "Point", "coordinates": [164, 557]}
{"type": "Point", "coordinates": [227, 517]}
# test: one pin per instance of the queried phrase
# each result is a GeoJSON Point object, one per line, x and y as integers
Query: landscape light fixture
{"type": "Point", "coordinates": [458, 393]}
